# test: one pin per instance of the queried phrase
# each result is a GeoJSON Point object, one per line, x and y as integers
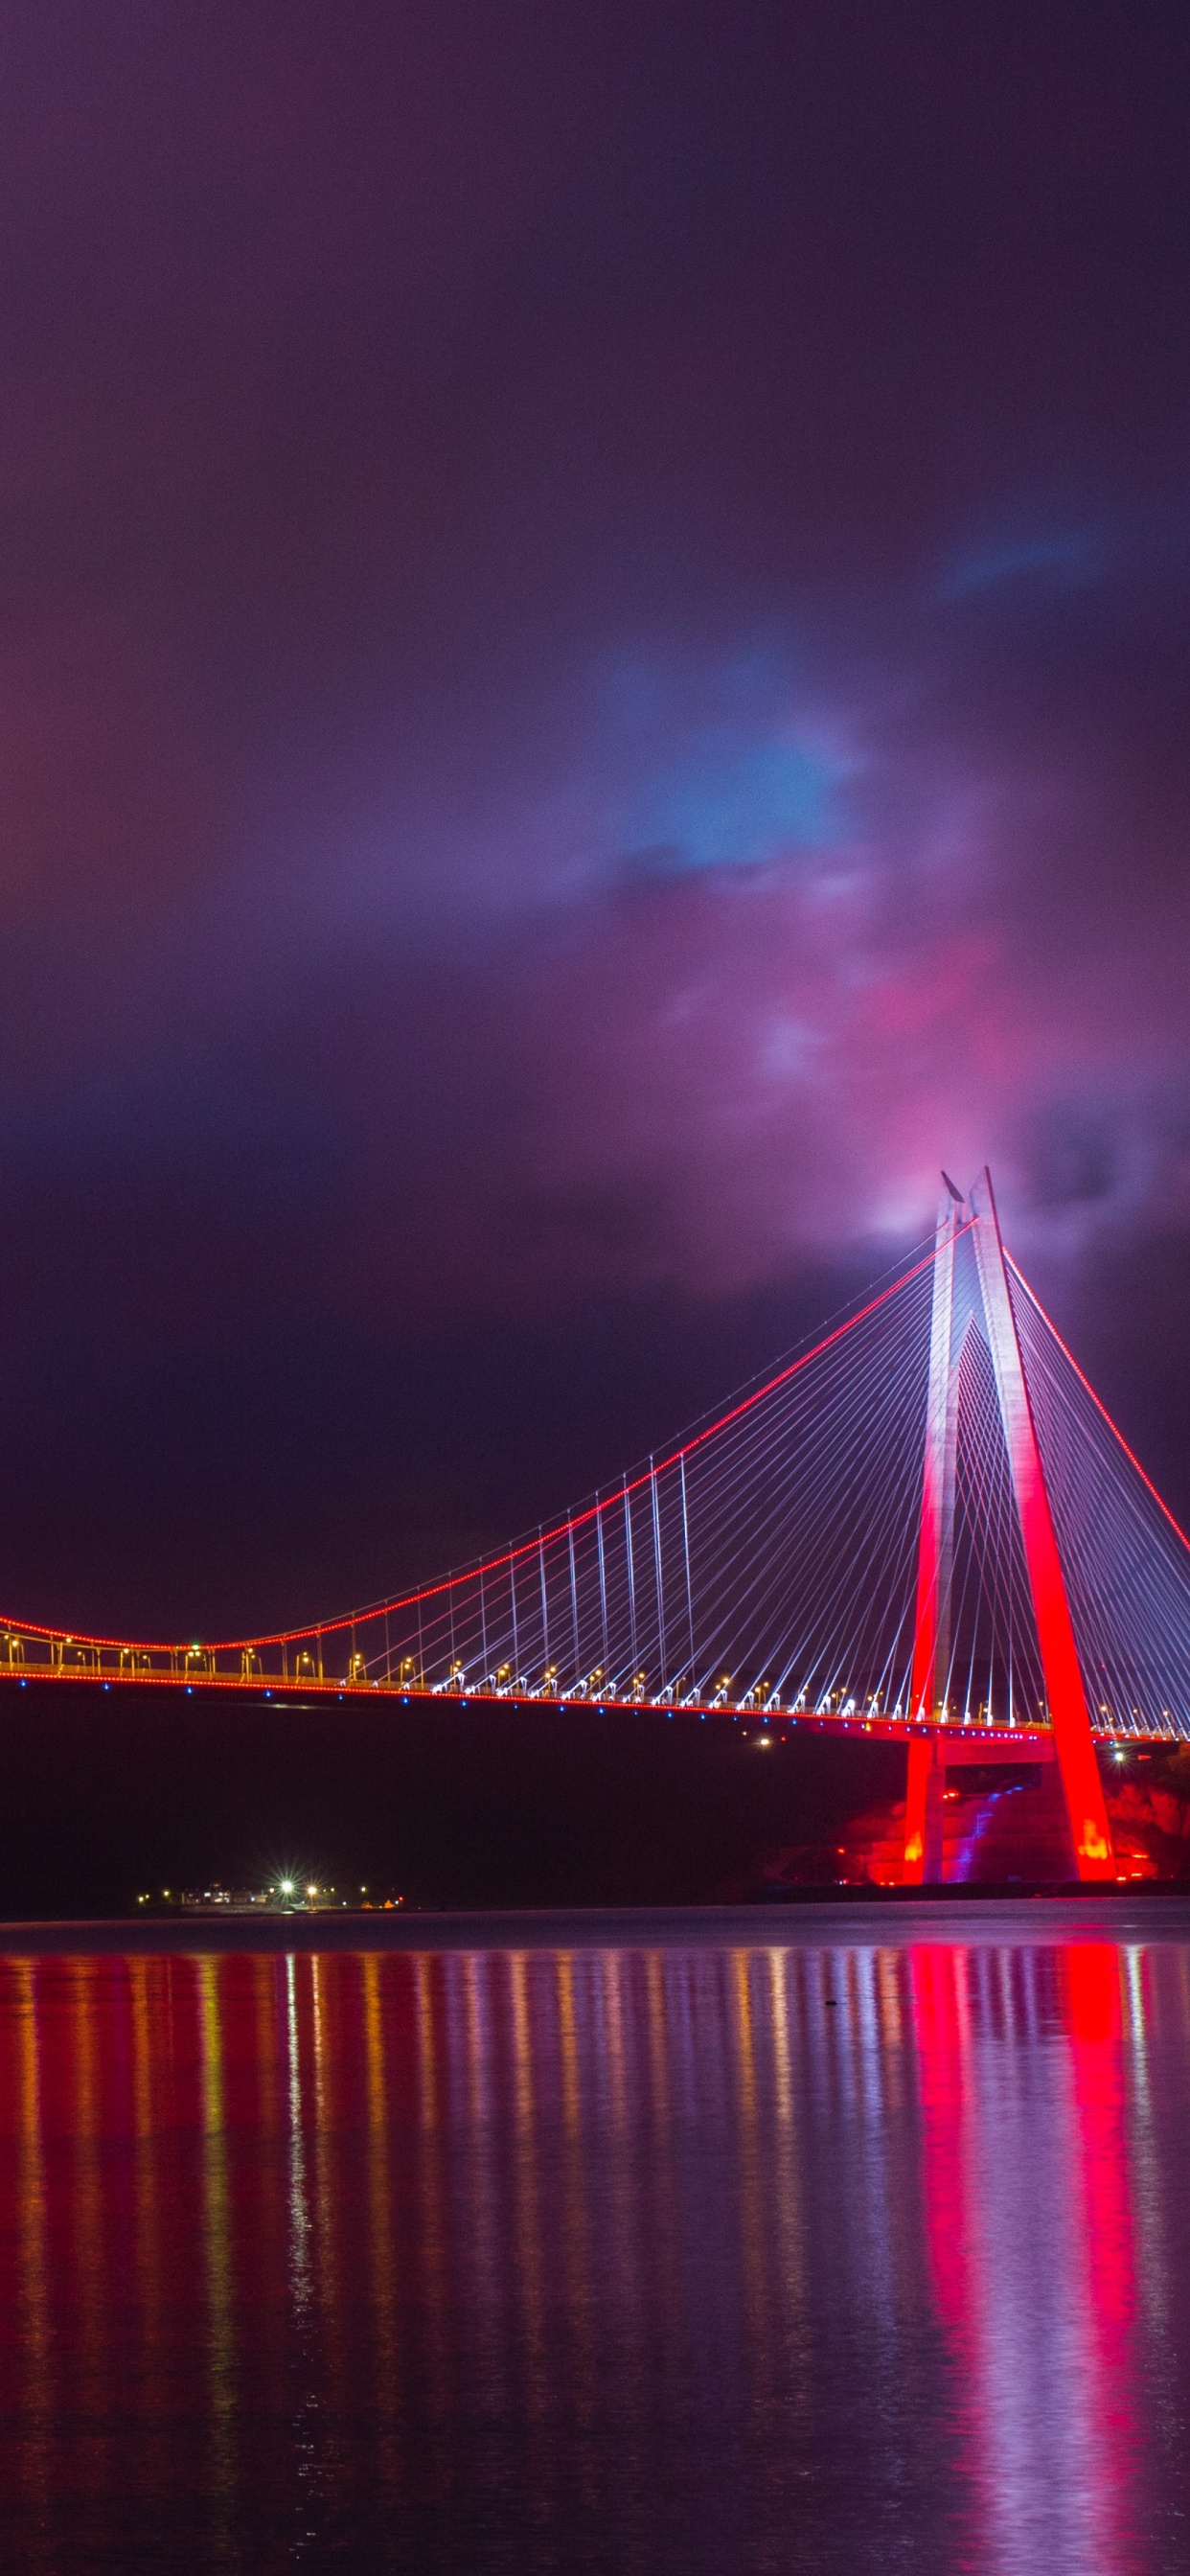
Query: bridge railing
{"type": "Point", "coordinates": [266, 1670]}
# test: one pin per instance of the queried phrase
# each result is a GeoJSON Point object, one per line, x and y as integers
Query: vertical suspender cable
{"type": "Point", "coordinates": [573, 1599]}
{"type": "Point", "coordinates": [686, 1554]}
{"type": "Point", "coordinates": [657, 1571]}
{"type": "Point", "coordinates": [631, 1579]}
{"type": "Point", "coordinates": [602, 1581]}
{"type": "Point", "coordinates": [483, 1626]}
{"type": "Point", "coordinates": [516, 1652]}
{"type": "Point", "coordinates": [545, 1616]}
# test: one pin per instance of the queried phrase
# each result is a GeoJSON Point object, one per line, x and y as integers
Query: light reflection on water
{"type": "Point", "coordinates": [722, 2258]}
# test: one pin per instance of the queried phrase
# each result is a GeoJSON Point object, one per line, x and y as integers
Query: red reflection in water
{"type": "Point", "coordinates": [1026, 2182]}
{"type": "Point", "coordinates": [679, 2260]}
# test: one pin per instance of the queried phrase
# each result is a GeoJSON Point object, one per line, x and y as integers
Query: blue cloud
{"type": "Point", "coordinates": [723, 806]}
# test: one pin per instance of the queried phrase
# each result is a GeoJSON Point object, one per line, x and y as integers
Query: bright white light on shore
{"type": "Point", "coordinates": [287, 1887]}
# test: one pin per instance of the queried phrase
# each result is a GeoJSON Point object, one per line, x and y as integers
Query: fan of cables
{"type": "Point", "coordinates": [1126, 1562]}
{"type": "Point", "coordinates": [767, 1559]}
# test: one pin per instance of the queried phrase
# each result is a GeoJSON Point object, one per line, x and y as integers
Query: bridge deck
{"type": "Point", "coordinates": [974, 1741]}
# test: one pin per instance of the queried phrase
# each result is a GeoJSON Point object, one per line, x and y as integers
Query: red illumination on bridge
{"type": "Point", "coordinates": [923, 1527]}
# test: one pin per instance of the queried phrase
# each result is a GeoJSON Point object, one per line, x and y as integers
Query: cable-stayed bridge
{"type": "Point", "coordinates": [924, 1525]}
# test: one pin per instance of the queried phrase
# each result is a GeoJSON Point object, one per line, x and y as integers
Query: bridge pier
{"type": "Point", "coordinates": [934, 1758]}
{"type": "Point", "coordinates": [925, 1783]}
{"type": "Point", "coordinates": [1069, 1740]}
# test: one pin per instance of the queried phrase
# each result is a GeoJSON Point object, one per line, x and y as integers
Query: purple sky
{"type": "Point", "coordinates": [594, 681]}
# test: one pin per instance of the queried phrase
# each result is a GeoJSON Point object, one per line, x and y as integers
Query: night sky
{"type": "Point", "coordinates": [593, 684]}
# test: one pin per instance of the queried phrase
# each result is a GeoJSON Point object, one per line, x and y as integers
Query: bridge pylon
{"type": "Point", "coordinates": [988, 1307]}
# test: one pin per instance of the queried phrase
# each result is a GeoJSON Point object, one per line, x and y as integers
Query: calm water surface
{"type": "Point", "coordinates": [797, 2242]}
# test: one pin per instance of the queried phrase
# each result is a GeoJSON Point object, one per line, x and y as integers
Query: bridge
{"type": "Point", "coordinates": [923, 1525]}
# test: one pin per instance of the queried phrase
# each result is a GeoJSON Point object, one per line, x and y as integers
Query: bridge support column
{"type": "Point", "coordinates": [931, 1635]}
{"type": "Point", "coordinates": [925, 1783]}
{"type": "Point", "coordinates": [1082, 1789]}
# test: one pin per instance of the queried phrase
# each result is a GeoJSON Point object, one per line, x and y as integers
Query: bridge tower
{"type": "Point", "coordinates": [930, 1755]}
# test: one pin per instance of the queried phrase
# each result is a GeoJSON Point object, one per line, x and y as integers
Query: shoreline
{"type": "Point", "coordinates": [845, 1918]}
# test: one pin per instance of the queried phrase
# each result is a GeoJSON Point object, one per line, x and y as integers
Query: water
{"type": "Point", "coordinates": [798, 2241]}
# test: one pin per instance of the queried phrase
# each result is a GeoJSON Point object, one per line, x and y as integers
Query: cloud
{"type": "Point", "coordinates": [591, 664]}
{"type": "Point", "coordinates": [694, 970]}
{"type": "Point", "coordinates": [1068, 557]}
{"type": "Point", "coordinates": [728, 806]}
